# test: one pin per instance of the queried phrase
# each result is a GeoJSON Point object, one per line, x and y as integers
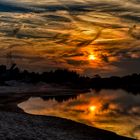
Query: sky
{"type": "Point", "coordinates": [88, 36]}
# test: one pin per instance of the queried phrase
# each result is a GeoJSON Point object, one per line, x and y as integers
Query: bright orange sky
{"type": "Point", "coordinates": [90, 37]}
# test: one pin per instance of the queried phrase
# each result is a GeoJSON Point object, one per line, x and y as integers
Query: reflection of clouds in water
{"type": "Point", "coordinates": [136, 131]}
{"type": "Point", "coordinates": [116, 111]}
{"type": "Point", "coordinates": [103, 28]}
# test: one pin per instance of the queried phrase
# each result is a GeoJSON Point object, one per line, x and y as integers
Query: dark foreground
{"type": "Point", "coordinates": [16, 126]}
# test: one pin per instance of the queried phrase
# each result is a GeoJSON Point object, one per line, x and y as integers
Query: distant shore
{"type": "Point", "coordinates": [19, 126]}
{"type": "Point", "coordinates": [67, 78]}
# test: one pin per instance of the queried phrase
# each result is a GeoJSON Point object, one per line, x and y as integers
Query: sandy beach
{"type": "Point", "coordinates": [16, 126]}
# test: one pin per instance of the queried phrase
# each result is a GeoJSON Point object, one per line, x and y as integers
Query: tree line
{"type": "Point", "coordinates": [130, 83]}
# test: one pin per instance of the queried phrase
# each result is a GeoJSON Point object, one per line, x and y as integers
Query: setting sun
{"type": "Point", "coordinates": [91, 57]}
{"type": "Point", "coordinates": [92, 108]}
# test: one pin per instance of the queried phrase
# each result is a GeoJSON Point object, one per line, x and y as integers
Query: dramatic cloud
{"type": "Point", "coordinates": [64, 34]}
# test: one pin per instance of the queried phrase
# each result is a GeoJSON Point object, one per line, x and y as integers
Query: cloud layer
{"type": "Point", "coordinates": [60, 34]}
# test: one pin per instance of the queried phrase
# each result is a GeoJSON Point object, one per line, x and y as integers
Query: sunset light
{"type": "Point", "coordinates": [92, 108]}
{"type": "Point", "coordinates": [91, 57]}
{"type": "Point", "coordinates": [74, 65]}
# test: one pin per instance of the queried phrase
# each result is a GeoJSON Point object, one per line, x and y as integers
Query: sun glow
{"type": "Point", "coordinates": [92, 108]}
{"type": "Point", "coordinates": [91, 57]}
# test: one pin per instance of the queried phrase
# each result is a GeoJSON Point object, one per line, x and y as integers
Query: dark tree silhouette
{"type": "Point", "coordinates": [130, 83]}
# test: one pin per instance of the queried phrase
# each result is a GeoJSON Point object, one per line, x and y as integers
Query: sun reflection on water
{"type": "Point", "coordinates": [115, 111]}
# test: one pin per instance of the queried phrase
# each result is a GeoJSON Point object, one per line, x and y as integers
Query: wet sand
{"type": "Point", "coordinates": [19, 126]}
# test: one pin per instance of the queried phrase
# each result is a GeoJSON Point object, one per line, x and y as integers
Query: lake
{"type": "Point", "coordinates": [113, 110]}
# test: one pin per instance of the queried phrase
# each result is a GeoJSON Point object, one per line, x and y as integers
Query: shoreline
{"type": "Point", "coordinates": [35, 127]}
{"type": "Point", "coordinates": [10, 100]}
{"type": "Point", "coordinates": [8, 107]}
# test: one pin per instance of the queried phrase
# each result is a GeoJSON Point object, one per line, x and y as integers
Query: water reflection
{"type": "Point", "coordinates": [59, 98]}
{"type": "Point", "coordinates": [112, 110]}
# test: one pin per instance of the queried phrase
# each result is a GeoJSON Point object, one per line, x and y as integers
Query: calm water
{"type": "Point", "coordinates": [116, 111]}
